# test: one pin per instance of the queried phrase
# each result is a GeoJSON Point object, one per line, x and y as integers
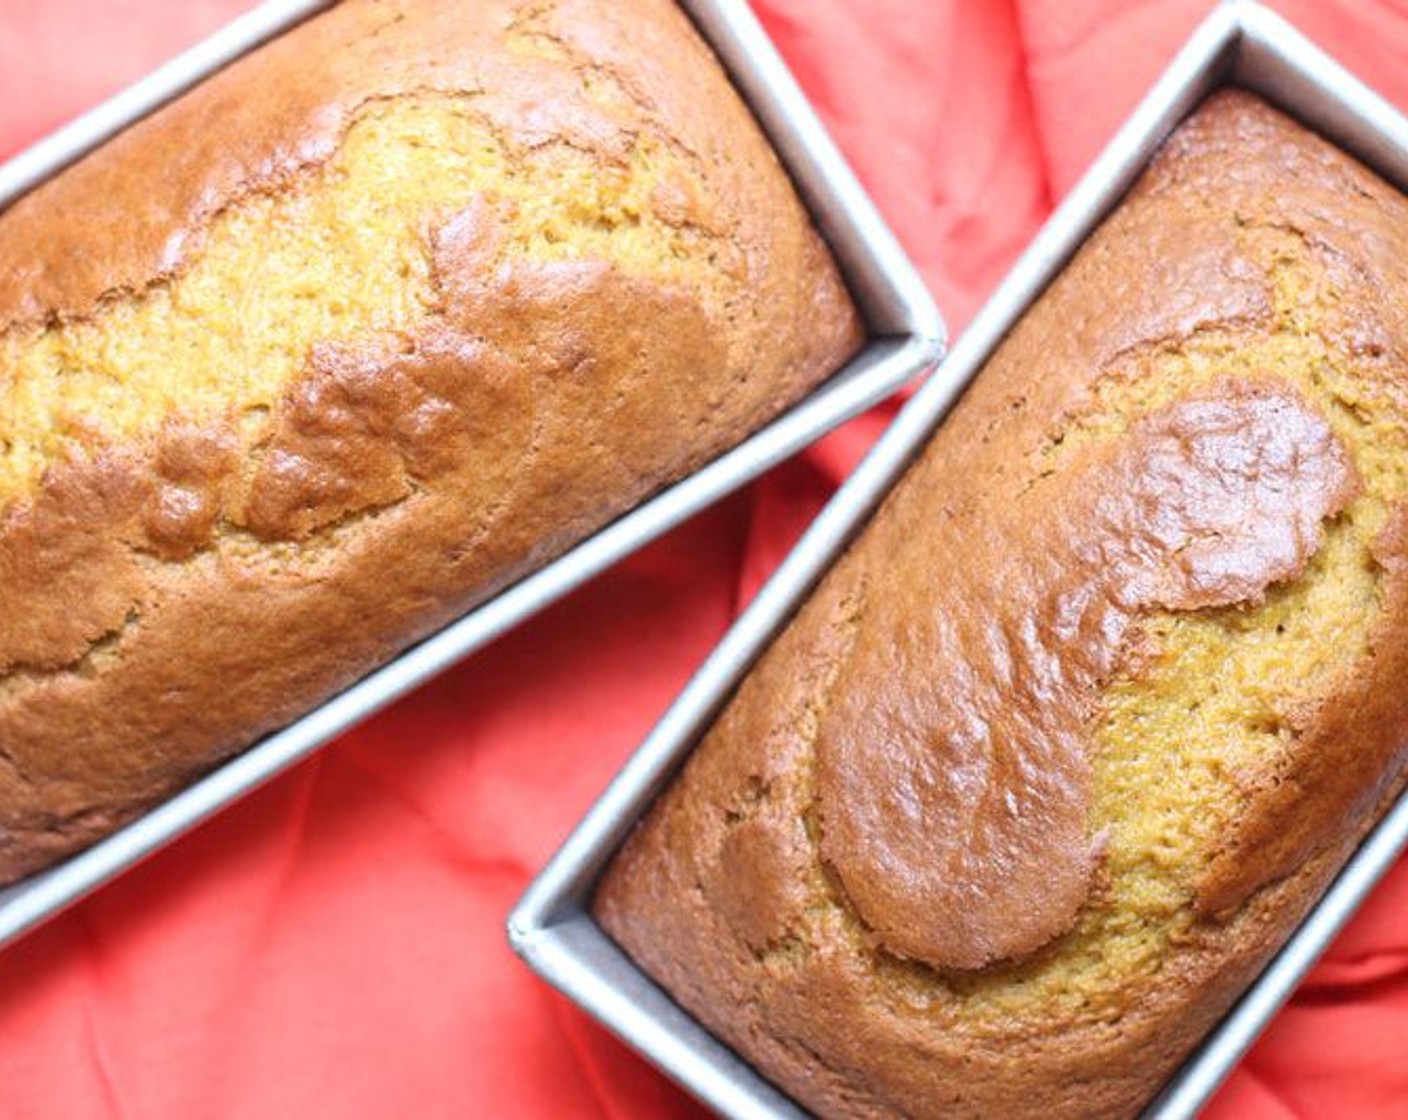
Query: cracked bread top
{"type": "Point", "coordinates": [369, 324]}
{"type": "Point", "coordinates": [1080, 726]}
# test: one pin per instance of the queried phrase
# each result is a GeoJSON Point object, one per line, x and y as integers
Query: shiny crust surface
{"type": "Point", "coordinates": [889, 841]}
{"type": "Point", "coordinates": [956, 794]}
{"type": "Point", "coordinates": [167, 599]}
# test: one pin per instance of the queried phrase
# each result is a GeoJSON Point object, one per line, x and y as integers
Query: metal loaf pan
{"type": "Point", "coordinates": [905, 339]}
{"type": "Point", "coordinates": [1240, 43]}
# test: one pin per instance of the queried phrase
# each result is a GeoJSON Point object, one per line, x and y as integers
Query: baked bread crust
{"type": "Point", "coordinates": [177, 582]}
{"type": "Point", "coordinates": [1078, 729]}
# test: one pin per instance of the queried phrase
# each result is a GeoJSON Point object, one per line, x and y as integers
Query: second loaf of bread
{"type": "Point", "coordinates": [365, 327]}
{"type": "Point", "coordinates": [1078, 729]}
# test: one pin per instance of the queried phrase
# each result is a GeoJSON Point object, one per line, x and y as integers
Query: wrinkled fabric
{"type": "Point", "coordinates": [333, 946]}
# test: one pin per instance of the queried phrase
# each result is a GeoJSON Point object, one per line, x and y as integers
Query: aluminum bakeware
{"type": "Point", "coordinates": [1239, 43]}
{"type": "Point", "coordinates": [905, 339]}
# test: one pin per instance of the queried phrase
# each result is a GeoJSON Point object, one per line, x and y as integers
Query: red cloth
{"type": "Point", "coordinates": [333, 946]}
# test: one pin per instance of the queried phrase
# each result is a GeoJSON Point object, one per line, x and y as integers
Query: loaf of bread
{"type": "Point", "coordinates": [368, 325]}
{"type": "Point", "coordinates": [1080, 727]}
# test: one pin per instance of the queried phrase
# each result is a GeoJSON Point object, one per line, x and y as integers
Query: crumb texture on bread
{"type": "Point", "coordinates": [370, 324]}
{"type": "Point", "coordinates": [1079, 728]}
{"type": "Point", "coordinates": [337, 258]}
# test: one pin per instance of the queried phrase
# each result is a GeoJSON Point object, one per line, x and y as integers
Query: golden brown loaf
{"type": "Point", "coordinates": [1080, 727]}
{"type": "Point", "coordinates": [365, 327]}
